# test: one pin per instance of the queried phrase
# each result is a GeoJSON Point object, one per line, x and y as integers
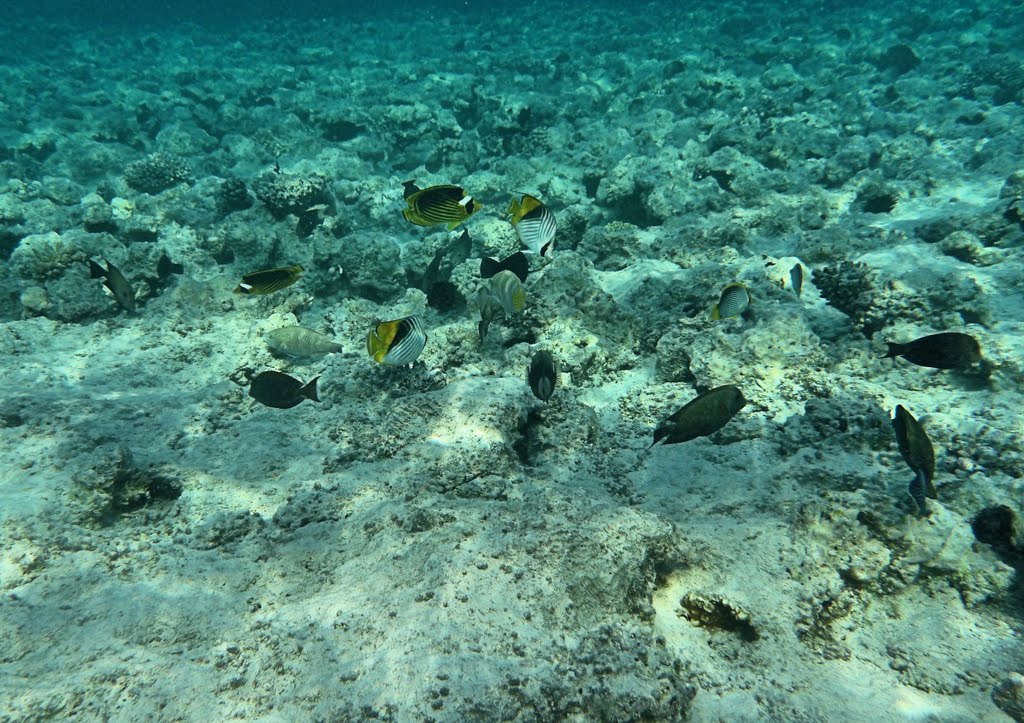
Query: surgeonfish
{"type": "Point", "coordinates": [517, 263]}
{"type": "Point", "coordinates": [115, 281]}
{"type": "Point", "coordinates": [796, 278]}
{"type": "Point", "coordinates": [280, 390]}
{"type": "Point", "coordinates": [542, 375]}
{"type": "Point", "coordinates": [534, 223]}
{"type": "Point", "coordinates": [489, 308]}
{"type": "Point", "coordinates": [397, 342]}
{"type": "Point", "coordinates": [461, 249]}
{"type": "Point", "coordinates": [917, 452]}
{"type": "Point", "coordinates": [445, 204]}
{"type": "Point", "coordinates": [269, 280]}
{"type": "Point", "coordinates": [165, 267]}
{"type": "Point", "coordinates": [948, 350]}
{"type": "Point", "coordinates": [733, 301]}
{"type": "Point", "coordinates": [506, 287]}
{"type": "Point", "coordinates": [297, 341]}
{"type": "Point", "coordinates": [701, 416]}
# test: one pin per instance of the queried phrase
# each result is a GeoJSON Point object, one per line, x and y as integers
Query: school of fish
{"type": "Point", "coordinates": [502, 294]}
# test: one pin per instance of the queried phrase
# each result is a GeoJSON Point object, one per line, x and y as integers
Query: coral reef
{"type": "Point", "coordinates": [285, 193]}
{"type": "Point", "coordinates": [157, 172]}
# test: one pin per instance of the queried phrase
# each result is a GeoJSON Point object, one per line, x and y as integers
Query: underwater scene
{"type": "Point", "coordinates": [490, 361]}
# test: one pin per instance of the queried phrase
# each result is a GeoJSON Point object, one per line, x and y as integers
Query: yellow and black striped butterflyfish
{"type": "Point", "coordinates": [269, 280]}
{"type": "Point", "coordinates": [446, 204]}
{"type": "Point", "coordinates": [397, 342]}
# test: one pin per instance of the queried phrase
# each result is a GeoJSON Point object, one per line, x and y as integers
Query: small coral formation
{"type": "Point", "coordinates": [232, 195]}
{"type": "Point", "coordinates": [45, 256]}
{"type": "Point", "coordinates": [849, 286]}
{"type": "Point", "coordinates": [157, 173]}
{"type": "Point", "coordinates": [714, 612]}
{"type": "Point", "coordinates": [285, 193]}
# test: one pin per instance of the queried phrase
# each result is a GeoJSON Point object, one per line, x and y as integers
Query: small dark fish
{"type": "Point", "coordinates": [310, 219]}
{"type": "Point", "coordinates": [517, 263]}
{"type": "Point", "coordinates": [165, 267]}
{"type": "Point", "coordinates": [701, 416]}
{"type": "Point", "coordinates": [280, 390]}
{"type": "Point", "coordinates": [917, 452]}
{"type": "Point", "coordinates": [269, 280]}
{"type": "Point", "coordinates": [409, 188]}
{"type": "Point", "coordinates": [115, 281]}
{"type": "Point", "coordinates": [796, 279]}
{"type": "Point", "coordinates": [445, 204]}
{"type": "Point", "coordinates": [433, 273]}
{"type": "Point", "coordinates": [948, 350]}
{"type": "Point", "coordinates": [542, 375]}
{"type": "Point", "coordinates": [461, 249]}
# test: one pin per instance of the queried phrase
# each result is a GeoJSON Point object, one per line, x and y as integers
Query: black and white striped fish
{"type": "Point", "coordinates": [397, 342]}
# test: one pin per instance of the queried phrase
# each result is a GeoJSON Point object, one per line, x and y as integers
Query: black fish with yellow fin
{"type": "Point", "coordinates": [947, 350]}
{"type": "Point", "coordinates": [115, 282]}
{"type": "Point", "coordinates": [517, 263]}
{"type": "Point", "coordinates": [447, 204]}
{"type": "Point", "coordinates": [699, 417]}
{"type": "Point", "coordinates": [269, 280]}
{"type": "Point", "coordinates": [280, 390]}
{"type": "Point", "coordinates": [917, 451]}
{"type": "Point", "coordinates": [397, 342]}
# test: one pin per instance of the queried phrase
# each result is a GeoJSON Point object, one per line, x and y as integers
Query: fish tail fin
{"type": "Point", "coordinates": [715, 313]}
{"type": "Point", "coordinates": [308, 390]}
{"type": "Point", "coordinates": [489, 267]}
{"type": "Point", "coordinates": [96, 271]}
{"type": "Point", "coordinates": [895, 350]}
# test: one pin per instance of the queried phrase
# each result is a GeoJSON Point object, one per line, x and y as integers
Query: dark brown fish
{"type": "Point", "coordinates": [702, 416]}
{"type": "Point", "coordinates": [542, 375]}
{"type": "Point", "coordinates": [280, 390]}
{"type": "Point", "coordinates": [114, 280]}
{"type": "Point", "coordinates": [917, 452]}
{"type": "Point", "coordinates": [948, 350]}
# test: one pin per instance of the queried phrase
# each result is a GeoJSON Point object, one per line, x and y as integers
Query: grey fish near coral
{"type": "Point", "coordinates": [269, 280]}
{"type": "Point", "coordinates": [699, 417]}
{"type": "Point", "coordinates": [297, 341]}
{"type": "Point", "coordinates": [281, 391]}
{"type": "Point", "coordinates": [733, 301]}
{"type": "Point", "coordinates": [916, 450]}
{"type": "Point", "coordinates": [517, 263]}
{"type": "Point", "coordinates": [489, 308]}
{"type": "Point", "coordinates": [509, 291]}
{"type": "Point", "coordinates": [947, 350]}
{"type": "Point", "coordinates": [115, 282]}
{"type": "Point", "coordinates": [542, 375]}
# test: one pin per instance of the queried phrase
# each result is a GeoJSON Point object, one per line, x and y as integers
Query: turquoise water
{"type": "Point", "coordinates": [209, 515]}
